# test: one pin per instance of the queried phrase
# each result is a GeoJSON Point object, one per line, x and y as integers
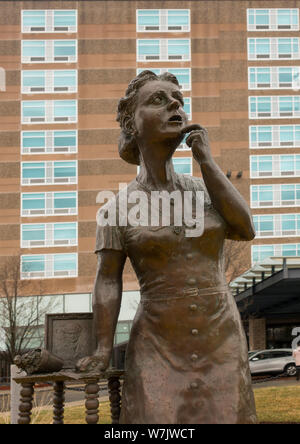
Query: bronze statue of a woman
{"type": "Point", "coordinates": [187, 359]}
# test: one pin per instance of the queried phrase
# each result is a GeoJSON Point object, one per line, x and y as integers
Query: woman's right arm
{"type": "Point", "coordinates": [106, 307]}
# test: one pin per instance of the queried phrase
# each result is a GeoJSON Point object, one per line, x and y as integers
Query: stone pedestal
{"type": "Point", "coordinates": [58, 380]}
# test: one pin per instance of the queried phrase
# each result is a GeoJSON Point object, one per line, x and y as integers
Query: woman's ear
{"type": "Point", "coordinates": [129, 126]}
{"type": "Point", "coordinates": [128, 148]}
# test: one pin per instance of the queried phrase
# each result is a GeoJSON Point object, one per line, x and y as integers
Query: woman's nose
{"type": "Point", "coordinates": [173, 104]}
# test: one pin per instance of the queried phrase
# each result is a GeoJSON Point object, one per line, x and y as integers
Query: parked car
{"type": "Point", "coordinates": [273, 361]}
{"type": "Point", "coordinates": [251, 353]}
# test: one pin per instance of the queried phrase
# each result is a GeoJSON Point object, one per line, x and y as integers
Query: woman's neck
{"type": "Point", "coordinates": [156, 169]}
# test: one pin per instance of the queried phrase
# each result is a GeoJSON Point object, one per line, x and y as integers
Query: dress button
{"type": "Point", "coordinates": [193, 385]}
{"type": "Point", "coordinates": [193, 307]}
{"type": "Point", "coordinates": [194, 331]}
{"type": "Point", "coordinates": [191, 281]}
{"type": "Point", "coordinates": [194, 357]}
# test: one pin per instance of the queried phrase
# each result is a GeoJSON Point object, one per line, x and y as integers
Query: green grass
{"type": "Point", "coordinates": [273, 405]}
{"type": "Point", "coordinates": [72, 415]}
{"type": "Point", "coordinates": [278, 404]}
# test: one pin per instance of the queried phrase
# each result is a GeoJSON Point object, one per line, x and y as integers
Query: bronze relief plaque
{"type": "Point", "coordinates": [70, 336]}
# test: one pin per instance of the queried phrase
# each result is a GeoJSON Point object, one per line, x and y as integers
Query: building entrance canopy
{"type": "Point", "coordinates": [270, 287]}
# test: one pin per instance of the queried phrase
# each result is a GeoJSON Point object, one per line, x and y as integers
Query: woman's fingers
{"type": "Point", "coordinates": [196, 135]}
{"type": "Point", "coordinates": [195, 131]}
{"type": "Point", "coordinates": [193, 127]}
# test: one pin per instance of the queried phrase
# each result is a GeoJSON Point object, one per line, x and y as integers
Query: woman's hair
{"type": "Point", "coordinates": [128, 148]}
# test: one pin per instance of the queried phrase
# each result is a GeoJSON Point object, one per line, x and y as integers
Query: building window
{"type": "Point", "coordinates": [49, 51]}
{"type": "Point", "coordinates": [274, 107]}
{"type": "Point", "coordinates": [183, 146]}
{"type": "Point", "coordinates": [261, 252]}
{"type": "Point", "coordinates": [49, 21]}
{"type": "Point", "coordinates": [78, 303]}
{"type": "Point", "coordinates": [188, 107]}
{"type": "Point", "coordinates": [290, 224]}
{"type": "Point", "coordinates": [49, 173]}
{"type": "Point", "coordinates": [274, 77]}
{"type": "Point", "coordinates": [273, 48]}
{"type": "Point", "coordinates": [122, 332]}
{"type": "Point", "coordinates": [264, 225]}
{"type": "Point", "coordinates": [273, 19]}
{"type": "Point", "coordinates": [163, 20]}
{"type": "Point", "coordinates": [65, 21]}
{"type": "Point", "coordinates": [32, 266]}
{"type": "Point", "coordinates": [183, 165]}
{"type": "Point", "coordinates": [261, 166]}
{"type": "Point", "coordinates": [276, 195]}
{"type": "Point", "coordinates": [49, 235]}
{"type": "Point", "coordinates": [275, 166]}
{"type": "Point", "coordinates": [260, 107]}
{"type": "Point", "coordinates": [49, 81]}
{"type": "Point", "coordinates": [275, 136]}
{"type": "Point", "coordinates": [48, 142]}
{"type": "Point", "coordinates": [262, 136]}
{"type": "Point", "coordinates": [71, 303]}
{"type": "Point", "coordinates": [277, 225]}
{"type": "Point", "coordinates": [39, 266]}
{"type": "Point", "coordinates": [49, 204]}
{"type": "Point", "coordinates": [49, 111]}
{"type": "Point", "coordinates": [261, 196]}
{"type": "Point", "coordinates": [161, 50]}
{"type": "Point", "coordinates": [183, 75]}
{"type": "Point", "coordinates": [259, 78]}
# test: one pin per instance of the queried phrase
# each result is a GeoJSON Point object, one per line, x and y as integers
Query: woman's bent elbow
{"type": "Point", "coordinates": [248, 235]}
{"type": "Point", "coordinates": [242, 235]}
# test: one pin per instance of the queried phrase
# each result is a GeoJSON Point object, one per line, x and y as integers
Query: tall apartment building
{"type": "Point", "coordinates": [63, 67]}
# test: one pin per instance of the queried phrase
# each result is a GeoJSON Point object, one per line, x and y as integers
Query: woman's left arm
{"type": "Point", "coordinates": [225, 197]}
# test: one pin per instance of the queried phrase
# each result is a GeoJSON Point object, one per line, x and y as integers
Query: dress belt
{"type": "Point", "coordinates": [186, 292]}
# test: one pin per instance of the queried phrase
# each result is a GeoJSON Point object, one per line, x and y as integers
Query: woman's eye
{"type": "Point", "coordinates": [180, 99]}
{"type": "Point", "coordinates": [158, 100]}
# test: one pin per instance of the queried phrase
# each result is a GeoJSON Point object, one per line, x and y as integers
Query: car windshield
{"type": "Point", "coordinates": [251, 353]}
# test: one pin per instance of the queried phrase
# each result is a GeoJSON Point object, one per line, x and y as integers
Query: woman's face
{"type": "Point", "coordinates": [159, 113]}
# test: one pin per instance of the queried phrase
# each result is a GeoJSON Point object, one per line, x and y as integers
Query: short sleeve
{"type": "Point", "coordinates": [108, 237]}
{"type": "Point", "coordinates": [108, 233]}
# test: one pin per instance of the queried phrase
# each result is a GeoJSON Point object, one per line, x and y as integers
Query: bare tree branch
{"type": "Point", "coordinates": [236, 259]}
{"type": "Point", "coordinates": [20, 315]}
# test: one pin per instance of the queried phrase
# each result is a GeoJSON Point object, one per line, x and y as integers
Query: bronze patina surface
{"type": "Point", "coordinates": [59, 381]}
{"type": "Point", "coordinates": [70, 336]}
{"type": "Point", "coordinates": [187, 359]}
{"type": "Point", "coordinates": [38, 361]}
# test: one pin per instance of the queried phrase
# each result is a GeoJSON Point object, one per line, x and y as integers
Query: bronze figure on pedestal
{"type": "Point", "coordinates": [187, 359]}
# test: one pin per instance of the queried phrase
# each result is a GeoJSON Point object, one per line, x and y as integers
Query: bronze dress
{"type": "Point", "coordinates": [187, 357]}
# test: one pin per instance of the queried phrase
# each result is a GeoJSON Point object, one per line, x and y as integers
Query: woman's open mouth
{"type": "Point", "coordinates": [176, 119]}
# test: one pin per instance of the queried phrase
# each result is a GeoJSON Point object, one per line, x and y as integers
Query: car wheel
{"type": "Point", "coordinates": [290, 370]}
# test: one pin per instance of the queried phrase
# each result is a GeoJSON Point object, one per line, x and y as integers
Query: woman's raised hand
{"type": "Point", "coordinates": [198, 141]}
